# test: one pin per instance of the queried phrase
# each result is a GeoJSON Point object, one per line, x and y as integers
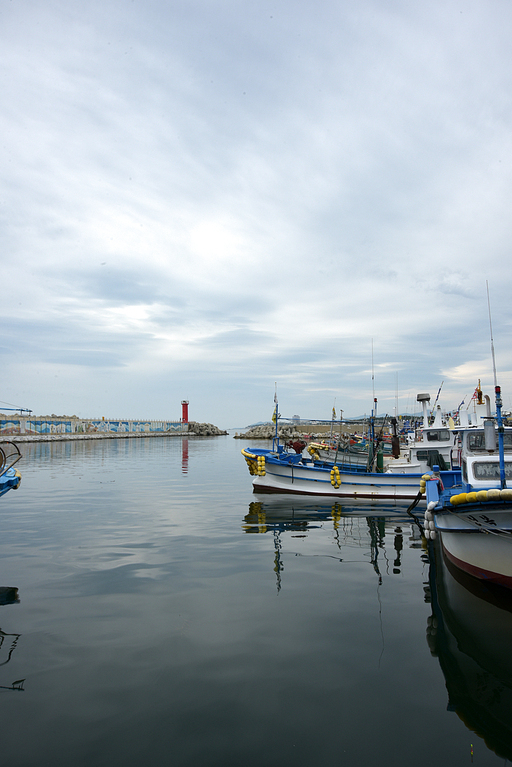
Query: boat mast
{"type": "Point", "coordinates": [275, 418]}
{"type": "Point", "coordinates": [499, 403]}
{"type": "Point", "coordinates": [435, 402]}
{"type": "Point", "coordinates": [374, 405]}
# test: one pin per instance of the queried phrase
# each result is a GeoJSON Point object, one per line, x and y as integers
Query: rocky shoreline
{"type": "Point", "coordinates": [292, 431]}
{"type": "Point", "coordinates": [204, 430]}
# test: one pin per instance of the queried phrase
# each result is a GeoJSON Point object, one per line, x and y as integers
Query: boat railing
{"type": "Point", "coordinates": [9, 455]}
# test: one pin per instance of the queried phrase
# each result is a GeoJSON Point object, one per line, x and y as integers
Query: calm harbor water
{"type": "Point", "coordinates": [166, 615]}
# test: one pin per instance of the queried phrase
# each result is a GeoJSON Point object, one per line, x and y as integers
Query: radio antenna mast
{"type": "Point", "coordinates": [492, 340]}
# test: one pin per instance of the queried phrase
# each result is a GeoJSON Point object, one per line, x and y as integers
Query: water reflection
{"type": "Point", "coordinates": [361, 525]}
{"type": "Point", "coordinates": [184, 455]}
{"type": "Point", "coordinates": [9, 595]}
{"type": "Point", "coordinates": [470, 632]}
{"type": "Point", "coordinates": [150, 623]}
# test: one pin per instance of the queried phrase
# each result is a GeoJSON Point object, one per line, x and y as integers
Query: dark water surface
{"type": "Point", "coordinates": [167, 616]}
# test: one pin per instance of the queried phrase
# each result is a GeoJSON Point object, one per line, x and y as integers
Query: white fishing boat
{"type": "Point", "coordinates": [472, 512]}
{"type": "Point", "coordinates": [279, 470]}
{"type": "Point", "coordinates": [432, 444]}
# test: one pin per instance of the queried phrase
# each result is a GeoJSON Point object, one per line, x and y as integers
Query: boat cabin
{"type": "Point", "coordinates": [434, 449]}
{"type": "Point", "coordinates": [479, 457]}
{"type": "Point", "coordinates": [431, 447]}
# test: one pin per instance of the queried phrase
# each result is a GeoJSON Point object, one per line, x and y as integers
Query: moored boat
{"type": "Point", "coordinates": [10, 477]}
{"type": "Point", "coordinates": [432, 445]}
{"type": "Point", "coordinates": [279, 470]}
{"type": "Point", "coordinates": [473, 513]}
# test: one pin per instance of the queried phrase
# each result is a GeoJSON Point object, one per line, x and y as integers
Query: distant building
{"type": "Point", "coordinates": [296, 418]}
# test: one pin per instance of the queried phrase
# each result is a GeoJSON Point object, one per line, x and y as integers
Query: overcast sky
{"type": "Point", "coordinates": [201, 198]}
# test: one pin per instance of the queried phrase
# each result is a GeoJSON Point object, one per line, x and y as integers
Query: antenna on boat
{"type": "Point", "coordinates": [435, 402]}
{"type": "Point", "coordinates": [497, 391]}
{"type": "Point", "coordinates": [373, 377]}
{"type": "Point", "coordinates": [374, 405]}
{"type": "Point", "coordinates": [492, 340]}
{"type": "Point", "coordinates": [275, 418]}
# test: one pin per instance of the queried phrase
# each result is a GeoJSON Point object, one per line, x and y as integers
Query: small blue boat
{"type": "Point", "coordinates": [10, 477]}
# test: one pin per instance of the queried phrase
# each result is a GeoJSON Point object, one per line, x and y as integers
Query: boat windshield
{"type": "Point", "coordinates": [490, 471]}
{"type": "Point", "coordinates": [476, 441]}
{"type": "Point", "coordinates": [438, 435]}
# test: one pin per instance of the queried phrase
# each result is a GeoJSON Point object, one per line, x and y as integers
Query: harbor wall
{"type": "Point", "coordinates": [55, 425]}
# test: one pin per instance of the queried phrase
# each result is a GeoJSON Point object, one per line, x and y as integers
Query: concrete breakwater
{"type": "Point", "coordinates": [59, 428]}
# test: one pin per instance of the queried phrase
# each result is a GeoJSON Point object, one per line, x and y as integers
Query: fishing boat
{"type": "Point", "coordinates": [431, 445]}
{"type": "Point", "coordinates": [10, 477]}
{"type": "Point", "coordinates": [279, 470]}
{"type": "Point", "coordinates": [472, 511]}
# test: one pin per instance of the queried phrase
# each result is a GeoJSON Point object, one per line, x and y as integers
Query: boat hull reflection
{"type": "Point", "coordinates": [312, 508]}
{"type": "Point", "coordinates": [470, 631]}
{"type": "Point", "coordinates": [361, 525]}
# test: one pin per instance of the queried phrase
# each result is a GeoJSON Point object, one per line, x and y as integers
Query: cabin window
{"type": "Point", "coordinates": [476, 441]}
{"type": "Point", "coordinates": [438, 435]}
{"type": "Point", "coordinates": [487, 471]}
{"type": "Point", "coordinates": [464, 471]}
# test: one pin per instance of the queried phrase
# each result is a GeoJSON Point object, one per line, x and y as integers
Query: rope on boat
{"type": "Point", "coordinates": [7, 460]}
{"type": "Point", "coordinates": [415, 502]}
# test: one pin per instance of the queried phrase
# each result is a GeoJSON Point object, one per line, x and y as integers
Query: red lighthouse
{"type": "Point", "coordinates": [184, 411]}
